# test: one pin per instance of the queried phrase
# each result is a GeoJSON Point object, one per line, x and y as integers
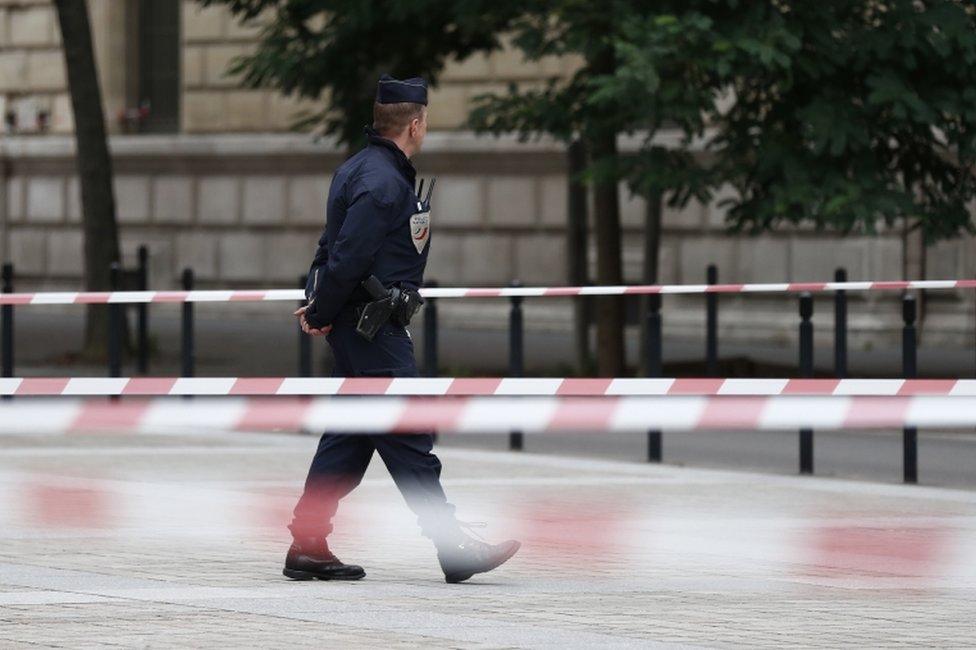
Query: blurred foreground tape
{"type": "Point", "coordinates": [906, 552]}
{"type": "Point", "coordinates": [64, 506]}
{"type": "Point", "coordinates": [27, 416]}
{"type": "Point", "coordinates": [473, 386]}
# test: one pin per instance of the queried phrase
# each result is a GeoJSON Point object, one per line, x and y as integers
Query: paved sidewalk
{"type": "Point", "coordinates": [177, 541]}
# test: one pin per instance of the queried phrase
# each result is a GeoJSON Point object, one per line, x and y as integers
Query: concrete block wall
{"type": "Point", "coordinates": [32, 75]}
{"type": "Point", "coordinates": [32, 69]}
{"type": "Point", "coordinates": [246, 211]}
{"type": "Point", "coordinates": [202, 226]}
{"type": "Point", "coordinates": [212, 99]}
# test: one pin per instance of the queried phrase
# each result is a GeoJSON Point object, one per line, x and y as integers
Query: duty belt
{"type": "Point", "coordinates": [391, 305]}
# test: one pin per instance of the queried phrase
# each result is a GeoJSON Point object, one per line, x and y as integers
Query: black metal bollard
{"type": "Point", "coordinates": [840, 326]}
{"type": "Point", "coordinates": [654, 437]}
{"type": "Point", "coordinates": [7, 325]}
{"type": "Point", "coordinates": [806, 370]}
{"type": "Point", "coordinates": [142, 311]}
{"type": "Point", "coordinates": [909, 360]}
{"type": "Point", "coordinates": [430, 333]}
{"type": "Point", "coordinates": [115, 324]}
{"type": "Point", "coordinates": [711, 324]}
{"type": "Point", "coordinates": [430, 336]}
{"type": "Point", "coordinates": [304, 341]}
{"type": "Point", "coordinates": [188, 352]}
{"type": "Point", "coordinates": [516, 359]}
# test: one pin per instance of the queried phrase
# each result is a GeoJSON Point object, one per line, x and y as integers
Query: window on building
{"type": "Point", "coordinates": [159, 65]}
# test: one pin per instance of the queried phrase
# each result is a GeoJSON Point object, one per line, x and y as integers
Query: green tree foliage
{"type": "Point", "coordinates": [840, 113]}
{"type": "Point", "coordinates": [849, 113]}
{"type": "Point", "coordinates": [843, 113]}
{"type": "Point", "coordinates": [640, 73]}
{"type": "Point", "coordinates": [651, 79]}
{"type": "Point", "coordinates": [336, 49]}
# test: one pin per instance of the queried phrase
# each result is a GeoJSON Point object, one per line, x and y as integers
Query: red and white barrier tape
{"type": "Point", "coordinates": [261, 295]}
{"type": "Point", "coordinates": [485, 414]}
{"type": "Point", "coordinates": [473, 386]}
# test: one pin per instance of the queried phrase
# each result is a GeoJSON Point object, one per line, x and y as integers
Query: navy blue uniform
{"type": "Point", "coordinates": [376, 225]}
{"type": "Point", "coordinates": [372, 206]}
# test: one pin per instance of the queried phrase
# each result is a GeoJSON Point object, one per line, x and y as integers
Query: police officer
{"type": "Point", "coordinates": [377, 226]}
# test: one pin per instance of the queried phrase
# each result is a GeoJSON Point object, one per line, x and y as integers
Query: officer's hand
{"type": "Point", "coordinates": [308, 329]}
{"type": "Point", "coordinates": [311, 331]}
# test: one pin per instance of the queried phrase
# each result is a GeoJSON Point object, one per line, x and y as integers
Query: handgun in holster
{"type": "Point", "coordinates": [393, 304]}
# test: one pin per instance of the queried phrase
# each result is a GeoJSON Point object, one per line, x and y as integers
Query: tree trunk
{"type": "Point", "coordinates": [94, 164]}
{"type": "Point", "coordinates": [652, 255]}
{"type": "Point", "coordinates": [601, 143]}
{"type": "Point", "coordinates": [577, 252]}
{"type": "Point", "coordinates": [610, 312]}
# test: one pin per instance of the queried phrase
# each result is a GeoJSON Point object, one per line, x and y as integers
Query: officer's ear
{"type": "Point", "coordinates": [417, 123]}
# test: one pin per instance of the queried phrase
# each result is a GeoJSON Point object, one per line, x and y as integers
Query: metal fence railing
{"type": "Point", "coordinates": [130, 288]}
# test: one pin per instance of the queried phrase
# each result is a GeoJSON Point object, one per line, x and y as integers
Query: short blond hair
{"type": "Point", "coordinates": [392, 119]}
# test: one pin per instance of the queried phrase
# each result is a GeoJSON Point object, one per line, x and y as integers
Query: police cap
{"type": "Point", "coordinates": [396, 91]}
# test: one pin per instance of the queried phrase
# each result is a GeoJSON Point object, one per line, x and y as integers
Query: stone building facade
{"type": "Point", "coordinates": [230, 192]}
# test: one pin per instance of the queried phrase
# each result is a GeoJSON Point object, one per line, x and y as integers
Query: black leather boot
{"type": "Point", "coordinates": [462, 556]}
{"type": "Point", "coordinates": [312, 560]}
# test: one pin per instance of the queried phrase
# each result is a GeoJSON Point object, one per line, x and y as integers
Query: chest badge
{"type": "Point", "coordinates": [420, 221]}
{"type": "Point", "coordinates": [420, 230]}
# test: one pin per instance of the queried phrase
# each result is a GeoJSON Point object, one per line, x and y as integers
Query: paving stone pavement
{"type": "Point", "coordinates": [177, 541]}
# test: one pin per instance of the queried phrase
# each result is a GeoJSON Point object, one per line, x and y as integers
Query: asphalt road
{"type": "Point", "coordinates": [945, 459]}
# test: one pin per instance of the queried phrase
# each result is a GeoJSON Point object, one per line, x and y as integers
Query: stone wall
{"type": "Point", "coordinates": [32, 77]}
{"type": "Point", "coordinates": [246, 211]}
{"type": "Point", "coordinates": [242, 202]}
{"type": "Point", "coordinates": [32, 73]}
{"type": "Point", "coordinates": [213, 100]}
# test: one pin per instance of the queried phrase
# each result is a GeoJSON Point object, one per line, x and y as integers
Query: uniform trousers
{"type": "Point", "coordinates": [341, 459]}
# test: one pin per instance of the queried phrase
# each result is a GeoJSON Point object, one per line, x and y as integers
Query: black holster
{"type": "Point", "coordinates": [390, 305]}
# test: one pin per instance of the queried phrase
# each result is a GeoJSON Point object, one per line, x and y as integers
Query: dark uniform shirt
{"type": "Point", "coordinates": [375, 225]}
